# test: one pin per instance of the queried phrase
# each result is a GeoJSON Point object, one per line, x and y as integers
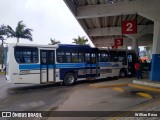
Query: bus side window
{"type": "Point", "coordinates": [74, 57]}
{"type": "Point", "coordinates": [103, 57]}
{"type": "Point", "coordinates": [80, 57]}
{"type": "Point", "coordinates": [129, 58]}
{"type": "Point", "coordinates": [22, 60]}
{"type": "Point", "coordinates": [87, 57]}
{"type": "Point", "coordinates": [26, 54]}
{"type": "Point", "coordinates": [59, 59]}
{"type": "Point", "coordinates": [60, 56]}
{"type": "Point", "coordinates": [93, 58]}
{"type": "Point", "coordinates": [68, 57]}
{"type": "Point", "coordinates": [113, 56]}
{"type": "Point", "coordinates": [122, 57]}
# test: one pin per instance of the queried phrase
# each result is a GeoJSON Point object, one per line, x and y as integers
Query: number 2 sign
{"type": "Point", "coordinates": [129, 27]}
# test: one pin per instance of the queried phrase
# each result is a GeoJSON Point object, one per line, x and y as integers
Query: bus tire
{"type": "Point", "coordinates": [122, 73]}
{"type": "Point", "coordinates": [69, 79]}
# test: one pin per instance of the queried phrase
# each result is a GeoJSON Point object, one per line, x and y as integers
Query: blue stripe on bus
{"type": "Point", "coordinates": [108, 64]}
{"type": "Point", "coordinates": [37, 66]}
{"type": "Point", "coordinates": [29, 66]}
{"type": "Point", "coordinates": [76, 65]}
{"type": "Point", "coordinates": [69, 65]}
{"type": "Point", "coordinates": [104, 64]}
{"type": "Point", "coordinates": [90, 65]}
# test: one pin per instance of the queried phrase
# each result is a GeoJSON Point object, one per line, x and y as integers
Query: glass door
{"type": "Point", "coordinates": [47, 66]}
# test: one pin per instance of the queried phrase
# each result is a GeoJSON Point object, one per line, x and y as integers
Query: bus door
{"type": "Point", "coordinates": [47, 66]}
{"type": "Point", "coordinates": [131, 61]}
{"type": "Point", "coordinates": [91, 61]}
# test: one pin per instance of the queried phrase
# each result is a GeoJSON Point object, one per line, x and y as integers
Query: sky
{"type": "Point", "coordinates": [47, 18]}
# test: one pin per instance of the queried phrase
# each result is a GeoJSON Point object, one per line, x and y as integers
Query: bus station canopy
{"type": "Point", "coordinates": [102, 19]}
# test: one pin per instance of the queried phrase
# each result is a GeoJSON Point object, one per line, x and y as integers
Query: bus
{"type": "Point", "coordinates": [127, 59]}
{"type": "Point", "coordinates": [43, 64]}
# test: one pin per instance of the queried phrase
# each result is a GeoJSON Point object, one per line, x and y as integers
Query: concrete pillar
{"type": "Point", "coordinates": [155, 67]}
{"type": "Point", "coordinates": [135, 46]}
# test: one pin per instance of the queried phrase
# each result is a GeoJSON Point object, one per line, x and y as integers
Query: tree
{"type": "Point", "coordinates": [147, 50]}
{"type": "Point", "coordinates": [80, 40]}
{"type": "Point", "coordinates": [3, 33]}
{"type": "Point", "coordinates": [2, 39]}
{"type": "Point", "coordinates": [20, 32]}
{"type": "Point", "coordinates": [54, 42]}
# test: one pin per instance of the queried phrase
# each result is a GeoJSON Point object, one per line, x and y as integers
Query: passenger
{"type": "Point", "coordinates": [145, 66]}
{"type": "Point", "coordinates": [145, 61]}
{"type": "Point", "coordinates": [138, 70]}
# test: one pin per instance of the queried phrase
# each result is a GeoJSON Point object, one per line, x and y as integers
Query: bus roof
{"type": "Point", "coordinates": [87, 48]}
{"type": "Point", "coordinates": [33, 45]}
{"type": "Point", "coordinates": [102, 49]}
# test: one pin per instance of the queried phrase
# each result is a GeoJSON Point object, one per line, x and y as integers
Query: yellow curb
{"type": "Point", "coordinates": [107, 86]}
{"type": "Point", "coordinates": [118, 89]}
{"type": "Point", "coordinates": [144, 87]}
{"type": "Point", "coordinates": [93, 85]}
{"type": "Point", "coordinates": [144, 95]}
{"type": "Point", "coordinates": [114, 118]}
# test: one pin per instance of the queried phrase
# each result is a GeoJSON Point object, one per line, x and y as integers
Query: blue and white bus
{"type": "Point", "coordinates": [42, 64]}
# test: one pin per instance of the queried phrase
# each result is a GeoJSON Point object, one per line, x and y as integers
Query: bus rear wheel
{"type": "Point", "coordinates": [69, 79]}
{"type": "Point", "coordinates": [122, 73]}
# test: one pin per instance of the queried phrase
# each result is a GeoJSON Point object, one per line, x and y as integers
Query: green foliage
{"type": "Point", "coordinates": [20, 32]}
{"type": "Point", "coordinates": [80, 40]}
{"type": "Point", "coordinates": [1, 37]}
{"type": "Point", "coordinates": [147, 51]}
{"type": "Point", "coordinates": [147, 48]}
{"type": "Point", "coordinates": [54, 42]}
{"type": "Point", "coordinates": [3, 32]}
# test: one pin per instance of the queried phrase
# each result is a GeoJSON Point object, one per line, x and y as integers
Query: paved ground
{"type": "Point", "coordinates": [80, 97]}
{"type": "Point", "coordinates": [18, 97]}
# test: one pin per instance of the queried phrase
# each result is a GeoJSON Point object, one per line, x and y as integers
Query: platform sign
{"type": "Point", "coordinates": [129, 27]}
{"type": "Point", "coordinates": [118, 42]}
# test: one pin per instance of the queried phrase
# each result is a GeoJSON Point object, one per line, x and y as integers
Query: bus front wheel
{"type": "Point", "coordinates": [69, 79]}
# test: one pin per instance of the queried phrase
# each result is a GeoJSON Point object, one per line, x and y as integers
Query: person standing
{"type": "Point", "coordinates": [138, 70]}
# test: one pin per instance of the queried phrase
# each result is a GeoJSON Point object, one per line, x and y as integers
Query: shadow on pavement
{"type": "Point", "coordinates": [96, 81]}
{"type": "Point", "coordinates": [30, 88]}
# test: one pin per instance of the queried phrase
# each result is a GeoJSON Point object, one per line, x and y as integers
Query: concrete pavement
{"type": "Point", "coordinates": [80, 97]}
{"type": "Point", "coordinates": [112, 96]}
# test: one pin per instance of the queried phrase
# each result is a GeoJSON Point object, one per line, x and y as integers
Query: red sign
{"type": "Point", "coordinates": [129, 27]}
{"type": "Point", "coordinates": [118, 42]}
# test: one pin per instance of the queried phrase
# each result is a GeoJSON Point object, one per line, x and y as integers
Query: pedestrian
{"type": "Point", "coordinates": [145, 66]}
{"type": "Point", "coordinates": [138, 70]}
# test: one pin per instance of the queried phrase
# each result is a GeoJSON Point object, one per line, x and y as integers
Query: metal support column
{"type": "Point", "coordinates": [155, 63]}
